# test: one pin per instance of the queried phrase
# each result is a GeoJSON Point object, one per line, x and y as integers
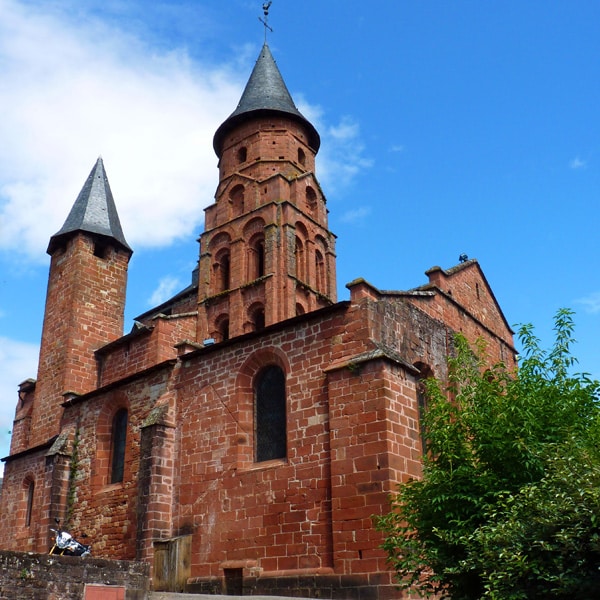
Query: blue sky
{"type": "Point", "coordinates": [447, 128]}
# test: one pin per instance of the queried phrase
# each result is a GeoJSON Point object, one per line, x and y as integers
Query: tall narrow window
{"type": "Point", "coordinates": [270, 415]}
{"type": "Point", "coordinates": [425, 373]}
{"type": "Point", "coordinates": [30, 495]}
{"type": "Point", "coordinates": [260, 258]}
{"type": "Point", "coordinates": [222, 271]}
{"type": "Point", "coordinates": [224, 329]}
{"type": "Point", "coordinates": [258, 319]}
{"type": "Point", "coordinates": [300, 260]}
{"type": "Point", "coordinates": [256, 258]}
{"type": "Point", "coordinates": [225, 272]}
{"type": "Point", "coordinates": [236, 197]}
{"type": "Point", "coordinates": [119, 437]}
{"type": "Point", "coordinates": [320, 272]}
{"type": "Point", "coordinates": [311, 199]}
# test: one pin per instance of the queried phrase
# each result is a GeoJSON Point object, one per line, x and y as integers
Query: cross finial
{"type": "Point", "coordinates": [265, 21]}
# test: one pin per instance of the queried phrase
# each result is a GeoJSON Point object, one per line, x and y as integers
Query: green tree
{"type": "Point", "coordinates": [508, 507]}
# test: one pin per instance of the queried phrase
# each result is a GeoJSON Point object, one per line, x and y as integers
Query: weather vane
{"type": "Point", "coordinates": [265, 21]}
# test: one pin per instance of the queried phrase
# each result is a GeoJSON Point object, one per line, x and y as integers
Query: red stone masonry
{"type": "Point", "coordinates": [144, 347]}
{"type": "Point", "coordinates": [463, 299]}
{"type": "Point", "coordinates": [84, 310]}
{"type": "Point", "coordinates": [267, 195]}
{"type": "Point", "coordinates": [353, 433]}
{"type": "Point", "coordinates": [194, 502]}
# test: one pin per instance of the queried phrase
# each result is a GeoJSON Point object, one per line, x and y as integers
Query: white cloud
{"type": "Point", "coordinates": [73, 87]}
{"type": "Point", "coordinates": [397, 148]}
{"type": "Point", "coordinates": [346, 130]}
{"type": "Point", "coordinates": [341, 157]}
{"type": "Point", "coordinates": [18, 361]}
{"type": "Point", "coordinates": [356, 215]}
{"type": "Point", "coordinates": [70, 92]}
{"type": "Point", "coordinates": [167, 287]}
{"type": "Point", "coordinates": [577, 163]}
{"type": "Point", "coordinates": [590, 303]}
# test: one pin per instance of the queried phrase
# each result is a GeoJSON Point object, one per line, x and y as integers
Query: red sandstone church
{"type": "Point", "coordinates": [242, 434]}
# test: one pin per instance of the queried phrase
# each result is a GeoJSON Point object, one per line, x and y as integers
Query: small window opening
{"type": "Point", "coordinates": [320, 271]}
{"type": "Point", "coordinates": [311, 199]}
{"type": "Point", "coordinates": [256, 259]}
{"type": "Point", "coordinates": [224, 272]}
{"type": "Point", "coordinates": [234, 582]}
{"type": "Point", "coordinates": [425, 373]}
{"type": "Point", "coordinates": [224, 330]}
{"type": "Point", "coordinates": [260, 265]}
{"type": "Point", "coordinates": [242, 154]}
{"type": "Point", "coordinates": [100, 249]}
{"type": "Point", "coordinates": [300, 260]}
{"type": "Point", "coordinates": [236, 197]}
{"type": "Point", "coordinates": [258, 319]}
{"type": "Point", "coordinates": [119, 437]}
{"type": "Point", "coordinates": [30, 496]}
{"type": "Point", "coordinates": [301, 156]}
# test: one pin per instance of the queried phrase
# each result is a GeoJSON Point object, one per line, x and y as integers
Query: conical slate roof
{"type": "Point", "coordinates": [265, 93]}
{"type": "Point", "coordinates": [94, 211]}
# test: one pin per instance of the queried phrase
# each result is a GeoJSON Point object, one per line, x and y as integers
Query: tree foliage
{"type": "Point", "coordinates": [509, 503]}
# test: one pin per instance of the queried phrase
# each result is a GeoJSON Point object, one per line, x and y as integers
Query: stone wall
{"type": "Point", "coordinates": [28, 576]}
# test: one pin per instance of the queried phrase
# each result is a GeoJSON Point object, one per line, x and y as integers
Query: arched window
{"type": "Point", "coordinates": [118, 441]}
{"type": "Point", "coordinates": [236, 197]}
{"type": "Point", "coordinates": [257, 316]}
{"type": "Point", "coordinates": [223, 271]}
{"type": "Point", "coordinates": [256, 257]}
{"type": "Point", "coordinates": [260, 258]}
{"type": "Point", "coordinates": [311, 198]}
{"type": "Point", "coordinates": [320, 272]}
{"type": "Point", "coordinates": [223, 326]}
{"type": "Point", "coordinates": [30, 489]}
{"type": "Point", "coordinates": [300, 260]}
{"type": "Point", "coordinates": [270, 430]}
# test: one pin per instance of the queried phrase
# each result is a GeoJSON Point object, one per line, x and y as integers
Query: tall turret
{"type": "Point", "coordinates": [267, 253]}
{"type": "Point", "coordinates": [85, 301]}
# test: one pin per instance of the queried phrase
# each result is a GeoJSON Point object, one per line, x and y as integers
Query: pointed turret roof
{"type": "Point", "coordinates": [265, 93]}
{"type": "Point", "coordinates": [94, 211]}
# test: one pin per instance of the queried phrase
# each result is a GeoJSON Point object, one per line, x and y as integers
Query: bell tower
{"type": "Point", "coordinates": [85, 301]}
{"type": "Point", "coordinates": [266, 254]}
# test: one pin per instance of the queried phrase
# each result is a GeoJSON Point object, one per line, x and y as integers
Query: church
{"type": "Point", "coordinates": [241, 435]}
